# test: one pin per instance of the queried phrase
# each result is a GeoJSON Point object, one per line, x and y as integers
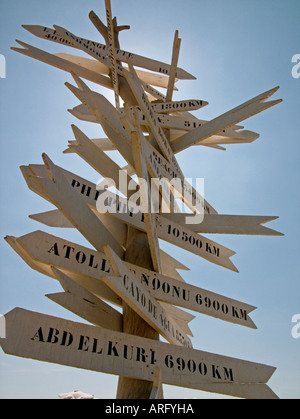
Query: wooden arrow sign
{"type": "Point", "coordinates": [103, 164]}
{"type": "Point", "coordinates": [137, 296]}
{"type": "Point", "coordinates": [61, 194]}
{"type": "Point", "coordinates": [85, 304]}
{"type": "Point", "coordinates": [145, 197]}
{"type": "Point", "coordinates": [174, 65]}
{"type": "Point", "coordinates": [54, 218]}
{"type": "Point", "coordinates": [183, 237]}
{"type": "Point", "coordinates": [62, 258]}
{"type": "Point", "coordinates": [234, 133]}
{"type": "Point", "coordinates": [43, 250]}
{"type": "Point", "coordinates": [157, 80]}
{"type": "Point", "coordinates": [236, 115]}
{"type": "Point", "coordinates": [229, 224]}
{"type": "Point", "coordinates": [63, 64]}
{"type": "Point", "coordinates": [89, 48]}
{"type": "Point", "coordinates": [45, 338]}
{"type": "Point", "coordinates": [137, 60]}
{"type": "Point", "coordinates": [112, 51]}
{"type": "Point", "coordinates": [85, 188]}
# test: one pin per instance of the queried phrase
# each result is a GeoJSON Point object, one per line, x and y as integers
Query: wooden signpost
{"type": "Point", "coordinates": [126, 267]}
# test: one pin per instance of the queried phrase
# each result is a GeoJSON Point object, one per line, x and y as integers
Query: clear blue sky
{"type": "Point", "coordinates": [237, 49]}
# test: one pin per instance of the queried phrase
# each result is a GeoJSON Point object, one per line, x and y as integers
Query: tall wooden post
{"type": "Point", "coordinates": [138, 253]}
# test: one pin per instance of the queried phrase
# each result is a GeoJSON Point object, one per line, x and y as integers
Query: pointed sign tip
{"type": "Point", "coordinates": [10, 239]}
{"type": "Point", "coordinates": [28, 28]}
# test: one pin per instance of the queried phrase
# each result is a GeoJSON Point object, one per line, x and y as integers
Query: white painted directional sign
{"type": "Point", "coordinates": [87, 47]}
{"type": "Point", "coordinates": [236, 115]}
{"type": "Point", "coordinates": [85, 304]}
{"type": "Point", "coordinates": [45, 338]}
{"type": "Point", "coordinates": [54, 218]}
{"type": "Point", "coordinates": [145, 197]}
{"type": "Point", "coordinates": [59, 192]}
{"type": "Point", "coordinates": [229, 224]}
{"type": "Point", "coordinates": [46, 250]}
{"type": "Point", "coordinates": [183, 237]}
{"type": "Point", "coordinates": [174, 65]}
{"type": "Point", "coordinates": [63, 64]}
{"type": "Point", "coordinates": [137, 296]}
{"type": "Point", "coordinates": [212, 224]}
{"type": "Point", "coordinates": [62, 258]}
{"type": "Point", "coordinates": [193, 298]}
{"type": "Point", "coordinates": [86, 189]}
{"type": "Point", "coordinates": [137, 60]}
{"type": "Point", "coordinates": [112, 51]}
{"type": "Point", "coordinates": [82, 113]}
{"type": "Point", "coordinates": [157, 80]}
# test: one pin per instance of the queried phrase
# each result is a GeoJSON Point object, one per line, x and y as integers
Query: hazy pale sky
{"type": "Point", "coordinates": [237, 49]}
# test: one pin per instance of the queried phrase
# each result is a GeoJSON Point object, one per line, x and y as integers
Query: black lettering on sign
{"type": "Point", "coordinates": [213, 250]}
{"type": "Point", "coordinates": [193, 240]}
{"type": "Point", "coordinates": [185, 237]}
{"type": "Point", "coordinates": [218, 307]}
{"type": "Point", "coordinates": [190, 365]}
{"type": "Point", "coordinates": [82, 258]}
{"type": "Point", "coordinates": [85, 189]}
{"type": "Point", "coordinates": [112, 349]}
{"type": "Point", "coordinates": [54, 249]}
{"type": "Point", "coordinates": [53, 336]}
{"type": "Point", "coordinates": [239, 313]}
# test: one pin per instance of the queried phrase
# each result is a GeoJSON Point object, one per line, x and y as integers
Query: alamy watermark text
{"type": "Point", "coordinates": [2, 67]}
{"type": "Point", "coordinates": [2, 327]}
{"type": "Point", "coordinates": [296, 328]}
{"type": "Point", "coordinates": [296, 67]}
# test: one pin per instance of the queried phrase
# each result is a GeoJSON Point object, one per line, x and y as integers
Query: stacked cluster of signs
{"type": "Point", "coordinates": [148, 131]}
